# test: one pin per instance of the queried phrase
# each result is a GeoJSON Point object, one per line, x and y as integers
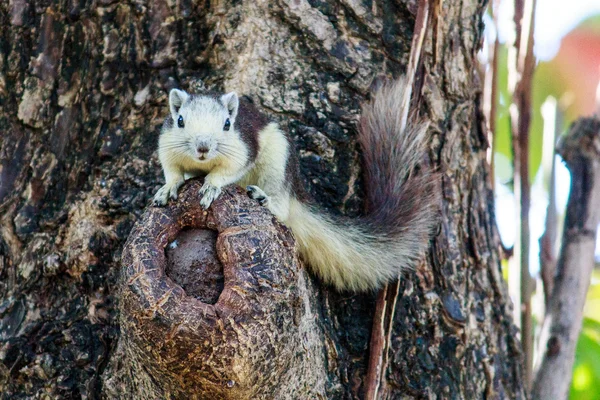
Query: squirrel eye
{"type": "Point", "coordinates": [227, 125]}
{"type": "Point", "coordinates": [180, 122]}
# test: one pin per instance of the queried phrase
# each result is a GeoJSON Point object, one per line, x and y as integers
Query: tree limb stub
{"type": "Point", "coordinates": [581, 151]}
{"type": "Point", "coordinates": [258, 340]}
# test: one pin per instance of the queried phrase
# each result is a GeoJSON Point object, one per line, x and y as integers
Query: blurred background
{"type": "Point", "coordinates": [565, 86]}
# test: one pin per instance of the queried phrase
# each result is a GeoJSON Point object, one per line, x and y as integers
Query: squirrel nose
{"type": "Point", "coordinates": [202, 148]}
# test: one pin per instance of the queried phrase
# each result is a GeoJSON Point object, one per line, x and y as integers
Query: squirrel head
{"type": "Point", "coordinates": [205, 123]}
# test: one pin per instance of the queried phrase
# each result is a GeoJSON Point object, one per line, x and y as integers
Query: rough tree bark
{"type": "Point", "coordinates": [83, 89]}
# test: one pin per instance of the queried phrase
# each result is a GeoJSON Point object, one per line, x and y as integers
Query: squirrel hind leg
{"type": "Point", "coordinates": [256, 193]}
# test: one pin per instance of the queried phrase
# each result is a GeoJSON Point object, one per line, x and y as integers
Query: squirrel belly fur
{"type": "Point", "coordinates": [229, 141]}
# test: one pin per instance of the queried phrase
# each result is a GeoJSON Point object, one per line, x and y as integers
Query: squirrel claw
{"type": "Point", "coordinates": [256, 193]}
{"type": "Point", "coordinates": [161, 198]}
{"type": "Point", "coordinates": [158, 203]}
{"type": "Point", "coordinates": [167, 191]}
{"type": "Point", "coordinates": [209, 194]}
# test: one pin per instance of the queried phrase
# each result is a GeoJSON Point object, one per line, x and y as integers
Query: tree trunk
{"type": "Point", "coordinates": [83, 90]}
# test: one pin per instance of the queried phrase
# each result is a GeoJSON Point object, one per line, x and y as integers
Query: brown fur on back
{"type": "Point", "coordinates": [249, 122]}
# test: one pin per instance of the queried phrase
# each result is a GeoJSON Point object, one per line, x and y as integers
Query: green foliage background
{"type": "Point", "coordinates": [586, 373]}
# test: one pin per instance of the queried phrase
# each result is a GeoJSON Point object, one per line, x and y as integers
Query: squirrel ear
{"type": "Point", "coordinates": [176, 99]}
{"type": "Point", "coordinates": [231, 101]}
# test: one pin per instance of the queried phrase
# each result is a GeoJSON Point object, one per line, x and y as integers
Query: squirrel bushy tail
{"type": "Point", "coordinates": [365, 253]}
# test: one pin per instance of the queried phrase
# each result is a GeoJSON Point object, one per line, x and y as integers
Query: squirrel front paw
{"type": "Point", "coordinates": [256, 193]}
{"type": "Point", "coordinates": [209, 194]}
{"type": "Point", "coordinates": [169, 190]}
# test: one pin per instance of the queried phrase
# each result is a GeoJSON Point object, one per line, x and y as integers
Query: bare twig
{"type": "Point", "coordinates": [377, 345]}
{"type": "Point", "coordinates": [491, 111]}
{"type": "Point", "coordinates": [388, 296]}
{"type": "Point", "coordinates": [521, 119]}
{"type": "Point", "coordinates": [491, 92]}
{"type": "Point", "coordinates": [380, 337]}
{"type": "Point", "coordinates": [548, 239]}
{"type": "Point", "coordinates": [415, 54]}
{"type": "Point", "coordinates": [581, 151]}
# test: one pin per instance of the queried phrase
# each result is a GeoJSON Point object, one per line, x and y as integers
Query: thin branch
{"type": "Point", "coordinates": [493, 106]}
{"type": "Point", "coordinates": [380, 337]}
{"type": "Point", "coordinates": [521, 118]}
{"type": "Point", "coordinates": [491, 93]}
{"type": "Point", "coordinates": [548, 239]}
{"type": "Point", "coordinates": [377, 345]}
{"type": "Point", "coordinates": [581, 152]}
{"type": "Point", "coordinates": [491, 110]}
{"type": "Point", "coordinates": [415, 54]}
{"type": "Point", "coordinates": [388, 296]}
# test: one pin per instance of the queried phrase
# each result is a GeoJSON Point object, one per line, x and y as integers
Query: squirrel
{"type": "Point", "coordinates": [229, 141]}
